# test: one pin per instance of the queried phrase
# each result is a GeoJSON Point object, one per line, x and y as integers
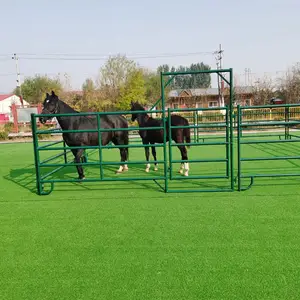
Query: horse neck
{"type": "Point", "coordinates": [142, 119]}
{"type": "Point", "coordinates": [65, 122]}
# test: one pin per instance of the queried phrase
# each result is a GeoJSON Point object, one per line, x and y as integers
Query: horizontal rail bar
{"type": "Point", "coordinates": [107, 163]}
{"type": "Point", "coordinates": [200, 177]}
{"type": "Point", "coordinates": [271, 123]}
{"type": "Point", "coordinates": [268, 142]}
{"type": "Point", "coordinates": [200, 190]}
{"type": "Point", "coordinates": [270, 175]}
{"type": "Point", "coordinates": [103, 147]}
{"type": "Point", "coordinates": [199, 144]}
{"type": "Point", "coordinates": [269, 106]}
{"type": "Point", "coordinates": [199, 126]}
{"type": "Point", "coordinates": [198, 109]}
{"type": "Point", "coordinates": [196, 72]}
{"type": "Point", "coordinates": [83, 114]}
{"type": "Point", "coordinates": [104, 179]}
{"type": "Point", "coordinates": [199, 160]}
{"type": "Point", "coordinates": [96, 130]}
{"type": "Point", "coordinates": [271, 158]}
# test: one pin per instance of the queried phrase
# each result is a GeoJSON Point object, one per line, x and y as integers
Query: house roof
{"type": "Point", "coordinates": [5, 96]}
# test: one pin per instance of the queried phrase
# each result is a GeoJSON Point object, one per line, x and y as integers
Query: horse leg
{"type": "Point", "coordinates": [123, 153]}
{"type": "Point", "coordinates": [77, 154]}
{"type": "Point", "coordinates": [184, 166]}
{"type": "Point", "coordinates": [154, 156]}
{"type": "Point", "coordinates": [147, 154]}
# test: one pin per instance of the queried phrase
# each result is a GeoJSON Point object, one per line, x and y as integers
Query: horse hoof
{"type": "Point", "coordinates": [147, 170]}
{"type": "Point", "coordinates": [180, 171]}
{"type": "Point", "coordinates": [186, 174]}
{"type": "Point", "coordinates": [155, 169]}
{"type": "Point", "coordinates": [81, 179]}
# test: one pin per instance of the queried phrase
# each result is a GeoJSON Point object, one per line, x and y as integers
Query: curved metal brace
{"type": "Point", "coordinates": [43, 192]}
{"type": "Point", "coordinates": [250, 185]}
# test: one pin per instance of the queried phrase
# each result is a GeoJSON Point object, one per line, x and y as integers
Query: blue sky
{"type": "Point", "coordinates": [260, 35]}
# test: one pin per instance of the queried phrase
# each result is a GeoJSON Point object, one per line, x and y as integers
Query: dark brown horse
{"type": "Point", "coordinates": [53, 105]}
{"type": "Point", "coordinates": [178, 135]}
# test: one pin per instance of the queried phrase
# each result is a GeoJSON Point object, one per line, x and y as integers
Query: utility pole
{"type": "Point", "coordinates": [18, 80]}
{"type": "Point", "coordinates": [219, 57]}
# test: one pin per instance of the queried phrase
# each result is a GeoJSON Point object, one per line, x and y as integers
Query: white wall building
{"type": "Point", "coordinates": [6, 102]}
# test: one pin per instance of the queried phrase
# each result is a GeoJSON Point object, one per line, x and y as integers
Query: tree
{"type": "Point", "coordinates": [133, 90]}
{"type": "Point", "coordinates": [202, 80]}
{"type": "Point", "coordinates": [35, 88]}
{"type": "Point", "coordinates": [114, 75]}
{"type": "Point", "coordinates": [152, 86]}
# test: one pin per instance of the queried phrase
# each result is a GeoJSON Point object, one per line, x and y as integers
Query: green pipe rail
{"type": "Point", "coordinates": [197, 126]}
{"type": "Point", "coordinates": [254, 140]}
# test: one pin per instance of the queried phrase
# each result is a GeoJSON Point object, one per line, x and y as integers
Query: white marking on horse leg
{"type": "Point", "coordinates": [181, 168]}
{"type": "Point", "coordinates": [156, 167]}
{"type": "Point", "coordinates": [187, 168]}
{"type": "Point", "coordinates": [125, 168]}
{"type": "Point", "coordinates": [147, 168]}
{"type": "Point", "coordinates": [120, 170]}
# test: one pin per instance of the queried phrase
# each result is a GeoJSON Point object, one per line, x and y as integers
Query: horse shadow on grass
{"type": "Point", "coordinates": [26, 178]}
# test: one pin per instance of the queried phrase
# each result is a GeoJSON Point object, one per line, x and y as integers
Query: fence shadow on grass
{"type": "Point", "coordinates": [26, 178]}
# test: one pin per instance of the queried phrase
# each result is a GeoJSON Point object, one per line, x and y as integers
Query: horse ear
{"type": "Point", "coordinates": [53, 94]}
{"type": "Point", "coordinates": [47, 95]}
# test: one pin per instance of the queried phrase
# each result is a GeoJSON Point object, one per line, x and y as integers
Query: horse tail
{"type": "Point", "coordinates": [187, 132]}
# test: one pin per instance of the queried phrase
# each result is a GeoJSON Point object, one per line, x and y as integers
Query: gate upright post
{"type": "Point", "coordinates": [165, 130]}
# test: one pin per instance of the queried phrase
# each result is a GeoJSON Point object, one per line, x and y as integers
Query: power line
{"type": "Point", "coordinates": [94, 57]}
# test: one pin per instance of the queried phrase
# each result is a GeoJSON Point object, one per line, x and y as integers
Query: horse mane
{"type": "Point", "coordinates": [138, 106]}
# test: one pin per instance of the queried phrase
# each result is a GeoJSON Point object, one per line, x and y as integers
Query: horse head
{"type": "Point", "coordinates": [135, 106]}
{"type": "Point", "coordinates": [50, 106]}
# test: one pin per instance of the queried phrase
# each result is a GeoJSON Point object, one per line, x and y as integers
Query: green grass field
{"type": "Point", "coordinates": [129, 240]}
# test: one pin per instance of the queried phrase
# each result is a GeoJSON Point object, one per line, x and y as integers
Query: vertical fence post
{"type": "Point", "coordinates": [195, 124]}
{"type": "Point", "coordinates": [165, 130]}
{"type": "Point", "coordinates": [286, 119]}
{"type": "Point", "coordinates": [239, 129]}
{"type": "Point", "coordinates": [170, 145]}
{"type": "Point", "coordinates": [231, 127]}
{"type": "Point", "coordinates": [36, 155]}
{"type": "Point", "coordinates": [100, 148]}
{"type": "Point", "coordinates": [227, 139]}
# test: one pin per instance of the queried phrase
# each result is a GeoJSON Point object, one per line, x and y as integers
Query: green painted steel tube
{"type": "Point", "coordinates": [170, 146]}
{"type": "Point", "coordinates": [88, 114]}
{"type": "Point", "coordinates": [231, 110]}
{"type": "Point", "coordinates": [227, 139]}
{"type": "Point", "coordinates": [36, 155]}
{"type": "Point", "coordinates": [195, 124]}
{"type": "Point", "coordinates": [165, 131]}
{"type": "Point", "coordinates": [103, 147]}
{"type": "Point", "coordinates": [99, 146]}
{"type": "Point", "coordinates": [269, 106]}
{"type": "Point", "coordinates": [65, 153]}
{"type": "Point", "coordinates": [199, 160]}
{"type": "Point", "coordinates": [200, 177]}
{"type": "Point", "coordinates": [197, 109]}
{"type": "Point", "coordinates": [239, 147]}
{"type": "Point", "coordinates": [105, 179]}
{"type": "Point", "coordinates": [270, 158]}
{"type": "Point", "coordinates": [96, 130]}
{"type": "Point", "coordinates": [196, 72]}
{"type": "Point", "coordinates": [106, 163]}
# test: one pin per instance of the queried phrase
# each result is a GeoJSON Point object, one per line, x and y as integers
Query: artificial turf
{"type": "Point", "coordinates": [129, 240]}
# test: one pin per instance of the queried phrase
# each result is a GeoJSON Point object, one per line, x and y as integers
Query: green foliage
{"type": "Point", "coordinates": [3, 135]}
{"type": "Point", "coordinates": [188, 81]}
{"type": "Point", "coordinates": [133, 90]}
{"type": "Point", "coordinates": [153, 88]}
{"type": "Point", "coordinates": [114, 75]}
{"type": "Point", "coordinates": [35, 88]}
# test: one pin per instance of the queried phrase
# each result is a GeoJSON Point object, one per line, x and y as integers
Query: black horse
{"type": "Point", "coordinates": [156, 136]}
{"type": "Point", "coordinates": [53, 105]}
